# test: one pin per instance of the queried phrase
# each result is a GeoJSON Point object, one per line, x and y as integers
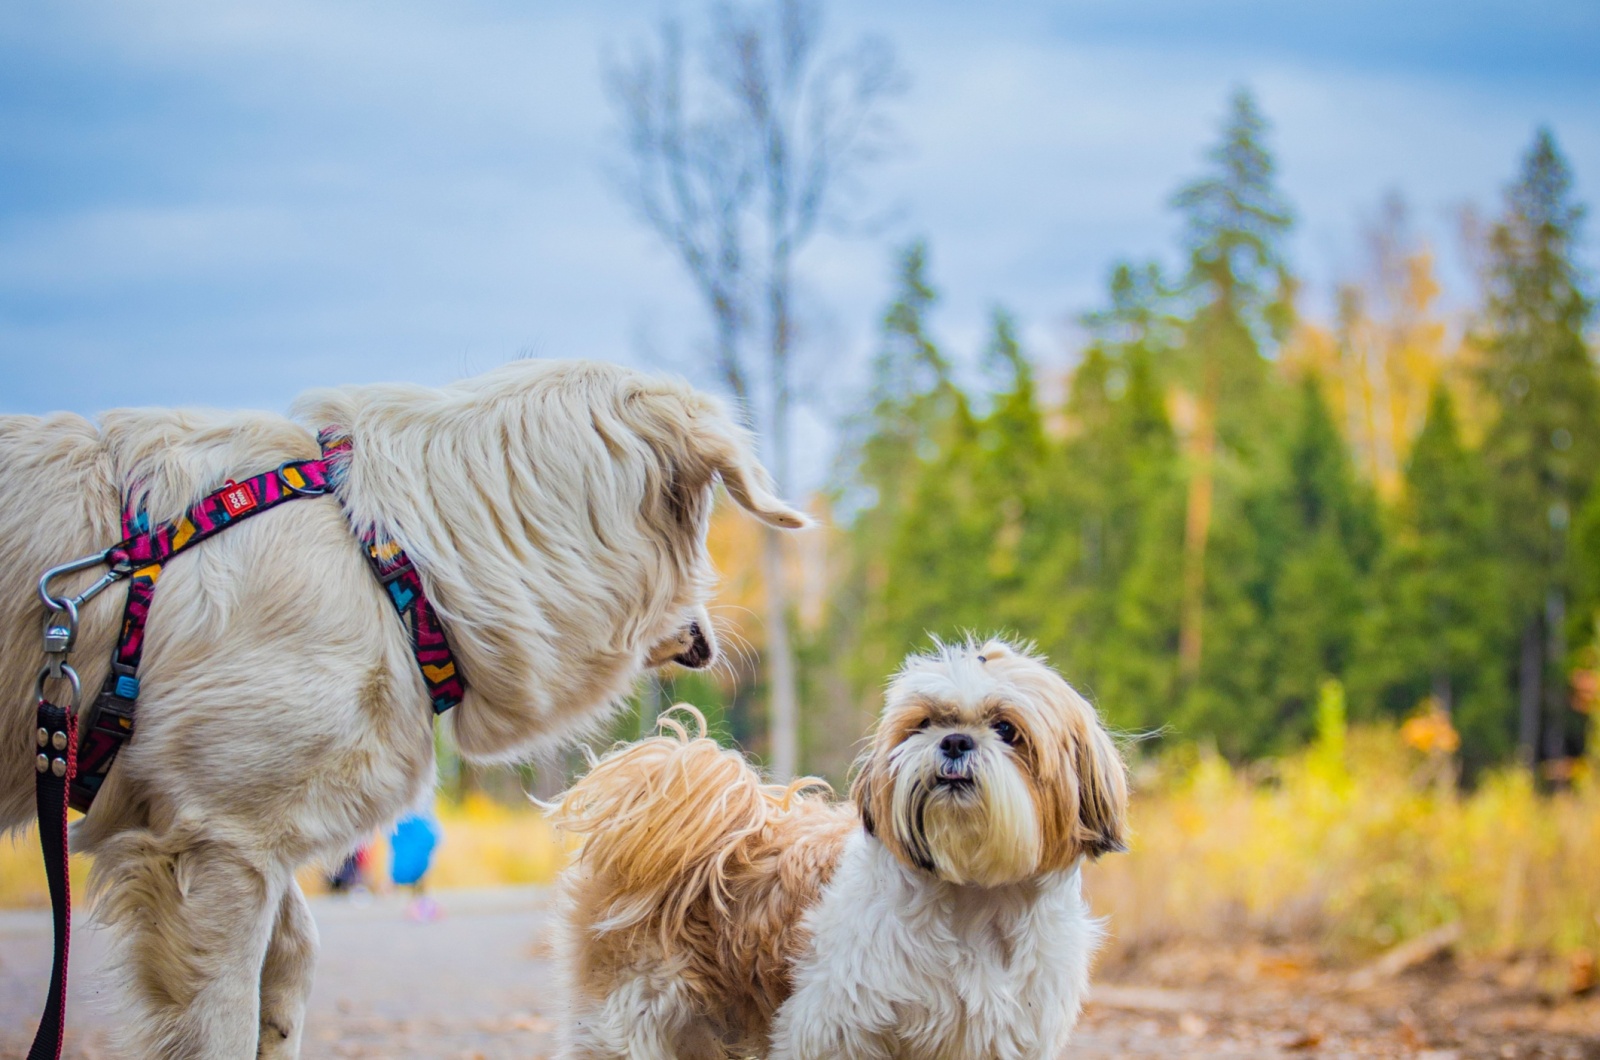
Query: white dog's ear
{"type": "Point", "coordinates": [729, 451]}
{"type": "Point", "coordinates": [698, 439]}
{"type": "Point", "coordinates": [1102, 794]}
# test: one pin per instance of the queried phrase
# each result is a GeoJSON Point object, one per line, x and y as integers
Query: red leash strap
{"type": "Point", "coordinates": [55, 765]}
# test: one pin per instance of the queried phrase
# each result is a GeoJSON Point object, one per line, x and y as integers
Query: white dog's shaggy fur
{"type": "Point", "coordinates": [557, 513]}
{"type": "Point", "coordinates": [938, 918]}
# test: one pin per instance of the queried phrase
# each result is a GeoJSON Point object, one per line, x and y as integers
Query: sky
{"type": "Point", "coordinates": [223, 204]}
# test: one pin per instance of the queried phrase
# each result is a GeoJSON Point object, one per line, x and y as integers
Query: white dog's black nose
{"type": "Point", "coordinates": [956, 744]}
{"type": "Point", "coordinates": [699, 651]}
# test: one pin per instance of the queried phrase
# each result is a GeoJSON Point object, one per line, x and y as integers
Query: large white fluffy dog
{"type": "Point", "coordinates": [557, 512]}
{"type": "Point", "coordinates": [939, 918]}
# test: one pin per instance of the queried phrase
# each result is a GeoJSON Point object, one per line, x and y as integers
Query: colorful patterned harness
{"type": "Point", "coordinates": [143, 552]}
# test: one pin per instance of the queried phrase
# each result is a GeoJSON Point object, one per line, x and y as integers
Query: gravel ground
{"type": "Point", "coordinates": [478, 983]}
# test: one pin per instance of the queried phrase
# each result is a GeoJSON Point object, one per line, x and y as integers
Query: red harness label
{"type": "Point", "coordinates": [238, 499]}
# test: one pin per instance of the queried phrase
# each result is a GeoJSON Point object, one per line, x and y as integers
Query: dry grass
{"type": "Point", "coordinates": [1355, 844]}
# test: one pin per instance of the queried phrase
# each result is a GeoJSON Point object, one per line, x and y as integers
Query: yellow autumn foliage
{"type": "Point", "coordinates": [1356, 848]}
{"type": "Point", "coordinates": [1430, 731]}
{"type": "Point", "coordinates": [1379, 363]}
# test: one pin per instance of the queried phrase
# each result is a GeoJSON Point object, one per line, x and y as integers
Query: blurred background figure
{"type": "Point", "coordinates": [411, 847]}
{"type": "Point", "coordinates": [351, 876]}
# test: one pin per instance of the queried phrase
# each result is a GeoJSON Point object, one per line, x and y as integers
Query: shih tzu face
{"type": "Point", "coordinates": [987, 769]}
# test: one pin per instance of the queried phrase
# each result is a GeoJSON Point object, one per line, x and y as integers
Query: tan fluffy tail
{"type": "Point", "coordinates": [667, 821]}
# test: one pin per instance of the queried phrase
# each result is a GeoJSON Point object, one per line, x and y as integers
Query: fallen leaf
{"type": "Point", "coordinates": [1581, 973]}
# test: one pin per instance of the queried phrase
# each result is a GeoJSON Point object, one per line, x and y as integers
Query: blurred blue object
{"type": "Point", "coordinates": [412, 843]}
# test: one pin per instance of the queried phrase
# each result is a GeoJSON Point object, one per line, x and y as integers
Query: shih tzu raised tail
{"type": "Point", "coordinates": [937, 915]}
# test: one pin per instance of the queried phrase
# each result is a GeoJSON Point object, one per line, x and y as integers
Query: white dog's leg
{"type": "Point", "coordinates": [193, 917]}
{"type": "Point", "coordinates": [286, 977]}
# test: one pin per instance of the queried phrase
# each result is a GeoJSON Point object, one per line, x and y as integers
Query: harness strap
{"type": "Point", "coordinates": [214, 513]}
{"type": "Point", "coordinates": [55, 764]}
{"type": "Point", "coordinates": [111, 719]}
{"type": "Point", "coordinates": [400, 579]}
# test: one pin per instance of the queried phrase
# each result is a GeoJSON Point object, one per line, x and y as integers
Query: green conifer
{"type": "Point", "coordinates": [1102, 592]}
{"type": "Point", "coordinates": [1441, 628]}
{"type": "Point", "coordinates": [1322, 539]}
{"type": "Point", "coordinates": [1544, 444]}
{"type": "Point", "coordinates": [1239, 287]}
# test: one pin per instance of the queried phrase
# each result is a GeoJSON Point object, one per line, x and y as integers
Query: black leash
{"type": "Point", "coordinates": [55, 766]}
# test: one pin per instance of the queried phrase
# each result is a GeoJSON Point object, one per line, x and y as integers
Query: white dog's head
{"type": "Point", "coordinates": [558, 512]}
{"type": "Point", "coordinates": [987, 768]}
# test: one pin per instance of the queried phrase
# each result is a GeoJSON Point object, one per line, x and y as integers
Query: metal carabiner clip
{"type": "Point", "coordinates": [116, 573]}
{"type": "Point", "coordinates": [58, 603]}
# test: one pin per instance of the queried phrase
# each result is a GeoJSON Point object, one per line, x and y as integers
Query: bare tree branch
{"type": "Point", "coordinates": [734, 165]}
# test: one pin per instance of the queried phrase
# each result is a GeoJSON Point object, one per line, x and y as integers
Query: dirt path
{"type": "Point", "coordinates": [1253, 1000]}
{"type": "Point", "coordinates": [479, 984]}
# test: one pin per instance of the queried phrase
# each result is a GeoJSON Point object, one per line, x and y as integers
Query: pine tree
{"type": "Point", "coordinates": [1103, 590]}
{"type": "Point", "coordinates": [1287, 586]}
{"type": "Point", "coordinates": [1328, 523]}
{"type": "Point", "coordinates": [1236, 295]}
{"type": "Point", "coordinates": [956, 561]}
{"type": "Point", "coordinates": [1545, 442]}
{"type": "Point", "coordinates": [913, 405]}
{"type": "Point", "coordinates": [911, 391]}
{"type": "Point", "coordinates": [1441, 628]}
{"type": "Point", "coordinates": [1011, 454]}
{"type": "Point", "coordinates": [1239, 283]}
{"type": "Point", "coordinates": [1013, 430]}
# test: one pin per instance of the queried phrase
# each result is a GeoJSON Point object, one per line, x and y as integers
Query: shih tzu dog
{"type": "Point", "coordinates": [937, 915]}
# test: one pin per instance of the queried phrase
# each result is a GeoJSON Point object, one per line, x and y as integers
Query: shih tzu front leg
{"type": "Point", "coordinates": [829, 1021]}
{"type": "Point", "coordinates": [642, 1018]}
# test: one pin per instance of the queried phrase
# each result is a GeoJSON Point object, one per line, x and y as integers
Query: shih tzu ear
{"type": "Point", "coordinates": [863, 792]}
{"type": "Point", "coordinates": [993, 651]}
{"type": "Point", "coordinates": [1102, 794]}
